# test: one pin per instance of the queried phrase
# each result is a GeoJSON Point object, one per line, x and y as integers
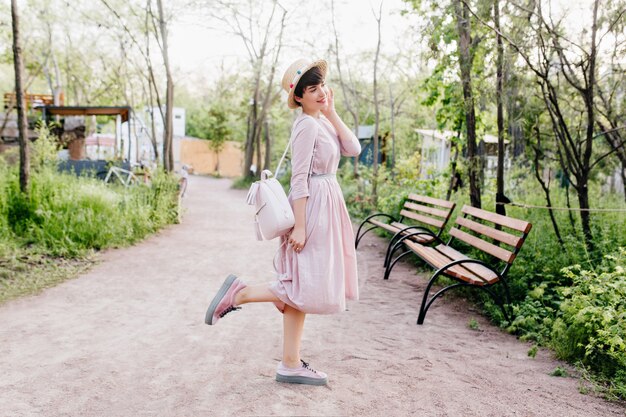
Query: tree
{"type": "Point", "coordinates": [261, 31]}
{"type": "Point", "coordinates": [456, 80]}
{"type": "Point", "coordinates": [168, 156]}
{"type": "Point", "coordinates": [466, 59]}
{"type": "Point", "coordinates": [376, 107]}
{"type": "Point", "coordinates": [500, 199]}
{"type": "Point", "coordinates": [211, 124]}
{"type": "Point", "coordinates": [566, 72]}
{"type": "Point", "coordinates": [22, 121]}
{"type": "Point", "coordinates": [349, 93]}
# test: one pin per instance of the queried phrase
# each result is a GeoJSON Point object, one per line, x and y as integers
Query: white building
{"type": "Point", "coordinates": [437, 146]}
{"type": "Point", "coordinates": [179, 119]}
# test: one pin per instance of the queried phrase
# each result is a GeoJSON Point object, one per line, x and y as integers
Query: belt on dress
{"type": "Point", "coordinates": [329, 175]}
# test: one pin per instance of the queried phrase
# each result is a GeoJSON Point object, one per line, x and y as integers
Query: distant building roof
{"type": "Point", "coordinates": [123, 111]}
{"type": "Point", "coordinates": [445, 135]}
{"type": "Point", "coordinates": [365, 132]}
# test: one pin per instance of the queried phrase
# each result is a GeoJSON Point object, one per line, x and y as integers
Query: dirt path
{"type": "Point", "coordinates": [128, 339]}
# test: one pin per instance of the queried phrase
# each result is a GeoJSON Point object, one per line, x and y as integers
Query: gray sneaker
{"type": "Point", "coordinates": [301, 375]}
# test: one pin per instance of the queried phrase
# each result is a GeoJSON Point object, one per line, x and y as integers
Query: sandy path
{"type": "Point", "coordinates": [128, 339]}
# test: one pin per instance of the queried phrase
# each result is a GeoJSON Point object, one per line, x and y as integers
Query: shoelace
{"type": "Point", "coordinates": [228, 310]}
{"type": "Point", "coordinates": [306, 366]}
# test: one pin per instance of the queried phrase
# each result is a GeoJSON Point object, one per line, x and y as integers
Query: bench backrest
{"type": "Point", "coordinates": [427, 210]}
{"type": "Point", "coordinates": [472, 229]}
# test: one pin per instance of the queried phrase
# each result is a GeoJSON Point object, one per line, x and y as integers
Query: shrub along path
{"type": "Point", "coordinates": [128, 339]}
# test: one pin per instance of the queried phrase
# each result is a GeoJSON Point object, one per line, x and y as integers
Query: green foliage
{"type": "Point", "coordinates": [211, 124]}
{"type": "Point", "coordinates": [243, 183]}
{"type": "Point", "coordinates": [546, 298]}
{"type": "Point", "coordinates": [473, 324]}
{"type": "Point", "coordinates": [532, 352]}
{"type": "Point", "coordinates": [44, 149]}
{"type": "Point", "coordinates": [68, 215]}
{"type": "Point", "coordinates": [591, 324]}
{"type": "Point", "coordinates": [559, 372]}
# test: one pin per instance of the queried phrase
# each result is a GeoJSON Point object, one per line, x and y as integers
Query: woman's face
{"type": "Point", "coordinates": [314, 98]}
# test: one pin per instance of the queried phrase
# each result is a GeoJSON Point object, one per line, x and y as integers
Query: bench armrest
{"type": "Point", "coordinates": [379, 215]}
{"type": "Point", "coordinates": [422, 231]}
{"type": "Point", "coordinates": [472, 261]}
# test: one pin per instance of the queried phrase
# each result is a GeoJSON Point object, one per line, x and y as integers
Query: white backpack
{"type": "Point", "coordinates": [273, 215]}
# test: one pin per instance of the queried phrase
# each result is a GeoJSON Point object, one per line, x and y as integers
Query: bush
{"type": "Point", "coordinates": [591, 324]}
{"type": "Point", "coordinates": [546, 298]}
{"type": "Point", "coordinates": [68, 215]}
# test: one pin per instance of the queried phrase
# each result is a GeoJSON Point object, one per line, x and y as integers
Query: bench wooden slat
{"type": "Point", "coordinates": [483, 245]}
{"type": "Point", "coordinates": [429, 210]}
{"type": "Point", "coordinates": [431, 200]}
{"type": "Point", "coordinates": [395, 227]}
{"type": "Point", "coordinates": [424, 219]}
{"type": "Point", "coordinates": [505, 221]}
{"type": "Point", "coordinates": [438, 259]}
{"type": "Point", "coordinates": [499, 235]}
{"type": "Point", "coordinates": [418, 238]}
{"type": "Point", "coordinates": [477, 269]}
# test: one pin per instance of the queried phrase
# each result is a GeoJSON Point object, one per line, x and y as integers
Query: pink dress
{"type": "Point", "coordinates": [323, 275]}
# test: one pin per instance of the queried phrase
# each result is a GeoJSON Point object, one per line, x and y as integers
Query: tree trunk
{"type": "Point", "coordinates": [351, 106]}
{"type": "Point", "coordinates": [583, 180]}
{"type": "Point", "coordinates": [500, 200]}
{"type": "Point", "coordinates": [465, 62]}
{"type": "Point", "coordinates": [268, 146]}
{"type": "Point", "coordinates": [249, 150]}
{"type": "Point", "coordinates": [546, 187]}
{"type": "Point", "coordinates": [168, 134]}
{"type": "Point", "coordinates": [259, 160]}
{"type": "Point", "coordinates": [623, 172]}
{"type": "Point", "coordinates": [22, 122]}
{"type": "Point", "coordinates": [151, 85]}
{"type": "Point", "coordinates": [585, 215]}
{"type": "Point", "coordinates": [453, 178]}
{"type": "Point", "coordinates": [393, 132]}
{"type": "Point", "coordinates": [376, 114]}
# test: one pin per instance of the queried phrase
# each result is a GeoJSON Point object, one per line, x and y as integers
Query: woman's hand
{"type": "Point", "coordinates": [297, 239]}
{"type": "Point", "coordinates": [330, 103]}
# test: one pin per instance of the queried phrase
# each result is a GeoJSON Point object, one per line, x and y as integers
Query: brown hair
{"type": "Point", "coordinates": [312, 77]}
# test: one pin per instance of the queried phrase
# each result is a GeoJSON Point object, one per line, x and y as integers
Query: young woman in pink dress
{"type": "Point", "coordinates": [316, 264]}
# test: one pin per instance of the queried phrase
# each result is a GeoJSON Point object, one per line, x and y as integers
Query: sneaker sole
{"type": "Point", "coordinates": [208, 318]}
{"type": "Point", "coordinates": [301, 380]}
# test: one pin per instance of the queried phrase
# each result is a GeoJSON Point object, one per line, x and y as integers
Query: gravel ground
{"type": "Point", "coordinates": [128, 339]}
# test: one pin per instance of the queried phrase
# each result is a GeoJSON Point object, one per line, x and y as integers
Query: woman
{"type": "Point", "coordinates": [316, 265]}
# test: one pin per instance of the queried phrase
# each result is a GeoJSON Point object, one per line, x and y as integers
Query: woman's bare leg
{"type": "Point", "coordinates": [293, 321]}
{"type": "Point", "coordinates": [293, 324]}
{"type": "Point", "coordinates": [255, 294]}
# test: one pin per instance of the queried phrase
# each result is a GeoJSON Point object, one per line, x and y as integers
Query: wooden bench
{"type": "Point", "coordinates": [483, 231]}
{"type": "Point", "coordinates": [419, 213]}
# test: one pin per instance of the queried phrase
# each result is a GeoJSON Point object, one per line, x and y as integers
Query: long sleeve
{"type": "Point", "coordinates": [348, 142]}
{"type": "Point", "coordinates": [350, 145]}
{"type": "Point", "coordinates": [303, 136]}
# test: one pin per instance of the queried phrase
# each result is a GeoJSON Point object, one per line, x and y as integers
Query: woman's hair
{"type": "Point", "coordinates": [311, 77]}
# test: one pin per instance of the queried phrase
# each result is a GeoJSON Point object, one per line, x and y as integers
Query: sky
{"type": "Point", "coordinates": [195, 47]}
{"type": "Point", "coordinates": [200, 45]}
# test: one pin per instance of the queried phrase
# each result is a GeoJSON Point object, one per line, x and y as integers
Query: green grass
{"type": "Point", "coordinates": [559, 372]}
{"type": "Point", "coordinates": [473, 324]}
{"type": "Point", "coordinates": [54, 232]}
{"type": "Point", "coordinates": [24, 271]}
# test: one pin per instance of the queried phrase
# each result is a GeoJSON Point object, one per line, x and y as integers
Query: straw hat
{"type": "Point", "coordinates": [293, 74]}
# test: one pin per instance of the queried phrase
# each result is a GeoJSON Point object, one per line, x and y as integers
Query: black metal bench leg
{"type": "Point", "coordinates": [358, 233]}
{"type": "Point", "coordinates": [395, 261]}
{"type": "Point", "coordinates": [391, 249]}
{"type": "Point", "coordinates": [358, 238]}
{"type": "Point", "coordinates": [498, 299]}
{"type": "Point", "coordinates": [425, 302]}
